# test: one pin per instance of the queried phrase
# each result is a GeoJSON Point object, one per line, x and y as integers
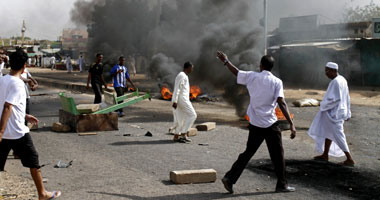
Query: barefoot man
{"type": "Point", "coordinates": [13, 132]}
{"type": "Point", "coordinates": [327, 126]}
{"type": "Point", "coordinates": [184, 112]}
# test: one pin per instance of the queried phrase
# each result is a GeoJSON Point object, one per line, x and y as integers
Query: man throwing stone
{"type": "Point", "coordinates": [327, 126]}
{"type": "Point", "coordinates": [265, 91]}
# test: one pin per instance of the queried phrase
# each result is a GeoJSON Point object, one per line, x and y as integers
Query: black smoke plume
{"type": "Point", "coordinates": [171, 32]}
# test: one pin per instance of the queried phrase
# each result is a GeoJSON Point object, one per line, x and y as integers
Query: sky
{"type": "Point", "coordinates": [45, 19]}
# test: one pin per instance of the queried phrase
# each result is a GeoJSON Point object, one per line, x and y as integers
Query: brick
{"type": "Point", "coordinates": [193, 176]}
{"type": "Point", "coordinates": [192, 132]}
{"type": "Point", "coordinates": [207, 126]}
{"type": "Point", "coordinates": [59, 127]}
{"type": "Point", "coordinates": [87, 108]}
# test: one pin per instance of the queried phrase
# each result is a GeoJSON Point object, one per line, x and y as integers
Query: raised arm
{"type": "Point", "coordinates": [284, 108]}
{"type": "Point", "coordinates": [223, 57]}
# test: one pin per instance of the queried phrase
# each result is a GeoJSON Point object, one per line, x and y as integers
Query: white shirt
{"type": "Point", "coordinates": [264, 89]}
{"type": "Point", "coordinates": [26, 75]}
{"type": "Point", "coordinates": [52, 60]}
{"type": "Point", "coordinates": [1, 68]}
{"type": "Point", "coordinates": [13, 92]}
{"type": "Point", "coordinates": [337, 100]}
{"type": "Point", "coordinates": [181, 90]}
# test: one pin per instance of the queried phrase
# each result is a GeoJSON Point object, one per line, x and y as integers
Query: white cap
{"type": "Point", "coordinates": [332, 65]}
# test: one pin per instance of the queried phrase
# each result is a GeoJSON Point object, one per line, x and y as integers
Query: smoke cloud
{"type": "Point", "coordinates": [171, 32]}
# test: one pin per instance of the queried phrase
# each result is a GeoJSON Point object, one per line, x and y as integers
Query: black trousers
{"type": "Point", "coordinates": [119, 92]}
{"type": "Point", "coordinates": [97, 88]}
{"type": "Point", "coordinates": [23, 147]}
{"type": "Point", "coordinates": [272, 136]}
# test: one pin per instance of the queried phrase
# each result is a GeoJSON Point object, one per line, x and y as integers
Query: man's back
{"type": "Point", "coordinates": [264, 89]}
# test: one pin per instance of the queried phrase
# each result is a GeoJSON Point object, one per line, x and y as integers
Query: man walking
{"type": "Point", "coordinates": [81, 63]}
{"type": "Point", "coordinates": [120, 74]}
{"type": "Point", "coordinates": [95, 75]}
{"type": "Point", "coordinates": [327, 126]}
{"type": "Point", "coordinates": [13, 132]}
{"type": "Point", "coordinates": [184, 111]}
{"type": "Point", "coordinates": [52, 62]}
{"type": "Point", "coordinates": [265, 91]}
{"type": "Point", "coordinates": [69, 67]}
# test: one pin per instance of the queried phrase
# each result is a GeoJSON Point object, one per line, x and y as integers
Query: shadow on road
{"type": "Point", "coordinates": [327, 177]}
{"type": "Point", "coordinates": [142, 142]}
{"type": "Point", "coordinates": [205, 196]}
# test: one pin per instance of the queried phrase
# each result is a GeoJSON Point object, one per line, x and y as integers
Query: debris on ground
{"type": "Point", "coordinates": [306, 103]}
{"type": "Point", "coordinates": [136, 126]}
{"type": "Point", "coordinates": [148, 134]}
{"type": "Point", "coordinates": [60, 128]}
{"type": "Point", "coordinates": [61, 164]}
{"type": "Point", "coordinates": [87, 133]}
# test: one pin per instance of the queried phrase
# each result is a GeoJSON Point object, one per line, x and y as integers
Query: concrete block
{"type": "Point", "coordinates": [192, 132]}
{"type": "Point", "coordinates": [207, 126]}
{"type": "Point", "coordinates": [58, 127]}
{"type": "Point", "coordinates": [87, 108]}
{"type": "Point", "coordinates": [193, 176]}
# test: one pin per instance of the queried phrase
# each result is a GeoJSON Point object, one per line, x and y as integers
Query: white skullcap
{"type": "Point", "coordinates": [332, 65]}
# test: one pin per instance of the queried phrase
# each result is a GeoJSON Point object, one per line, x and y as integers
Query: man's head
{"type": "Point", "coordinates": [121, 60]}
{"type": "Point", "coordinates": [18, 60]}
{"type": "Point", "coordinates": [266, 63]}
{"type": "Point", "coordinates": [331, 70]}
{"type": "Point", "coordinates": [99, 58]}
{"type": "Point", "coordinates": [188, 67]}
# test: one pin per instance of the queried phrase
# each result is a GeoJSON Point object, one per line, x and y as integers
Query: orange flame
{"type": "Point", "coordinates": [194, 92]}
{"type": "Point", "coordinates": [166, 94]}
{"type": "Point", "coordinates": [279, 114]}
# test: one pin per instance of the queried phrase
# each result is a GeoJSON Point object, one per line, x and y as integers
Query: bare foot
{"type": "Point", "coordinates": [321, 158]}
{"type": "Point", "coordinates": [51, 195]}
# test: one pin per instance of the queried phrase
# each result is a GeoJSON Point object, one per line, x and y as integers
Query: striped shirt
{"type": "Point", "coordinates": [119, 80]}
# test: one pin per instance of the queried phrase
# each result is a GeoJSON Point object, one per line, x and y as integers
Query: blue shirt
{"type": "Point", "coordinates": [119, 80]}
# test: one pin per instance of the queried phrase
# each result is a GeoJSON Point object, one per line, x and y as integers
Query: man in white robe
{"type": "Point", "coordinates": [68, 64]}
{"type": "Point", "coordinates": [327, 127]}
{"type": "Point", "coordinates": [184, 112]}
{"type": "Point", "coordinates": [81, 63]}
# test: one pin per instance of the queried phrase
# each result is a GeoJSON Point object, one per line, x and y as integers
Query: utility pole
{"type": "Point", "coordinates": [22, 33]}
{"type": "Point", "coordinates": [265, 27]}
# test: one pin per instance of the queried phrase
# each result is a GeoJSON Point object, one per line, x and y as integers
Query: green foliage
{"type": "Point", "coordinates": [362, 13]}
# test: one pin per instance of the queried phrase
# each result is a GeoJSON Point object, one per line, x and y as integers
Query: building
{"type": "Point", "coordinates": [74, 42]}
{"type": "Point", "coordinates": [302, 47]}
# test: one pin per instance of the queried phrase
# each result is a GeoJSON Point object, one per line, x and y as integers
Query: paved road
{"type": "Point", "coordinates": [112, 166]}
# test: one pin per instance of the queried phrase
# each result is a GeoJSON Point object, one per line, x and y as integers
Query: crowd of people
{"type": "Point", "coordinates": [265, 91]}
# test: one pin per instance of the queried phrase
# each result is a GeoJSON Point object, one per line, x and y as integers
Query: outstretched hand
{"type": "Point", "coordinates": [222, 56]}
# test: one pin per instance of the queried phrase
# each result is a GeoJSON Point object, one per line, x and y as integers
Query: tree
{"type": "Point", "coordinates": [362, 13]}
